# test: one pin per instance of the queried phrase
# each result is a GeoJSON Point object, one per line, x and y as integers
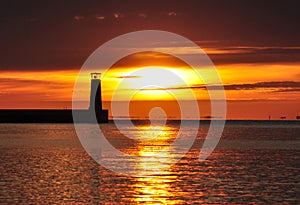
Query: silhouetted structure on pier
{"type": "Point", "coordinates": [64, 115]}
{"type": "Point", "coordinates": [96, 99]}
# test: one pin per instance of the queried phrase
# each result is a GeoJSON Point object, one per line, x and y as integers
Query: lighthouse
{"type": "Point", "coordinates": [95, 95]}
{"type": "Point", "coordinates": [96, 98]}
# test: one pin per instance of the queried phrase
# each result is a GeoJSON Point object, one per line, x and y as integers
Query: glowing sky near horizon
{"type": "Point", "coordinates": [249, 83]}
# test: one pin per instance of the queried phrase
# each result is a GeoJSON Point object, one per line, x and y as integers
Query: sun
{"type": "Point", "coordinates": [153, 82]}
{"type": "Point", "coordinates": [154, 77]}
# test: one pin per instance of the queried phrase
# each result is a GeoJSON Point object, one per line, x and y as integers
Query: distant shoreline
{"type": "Point", "coordinates": [66, 116]}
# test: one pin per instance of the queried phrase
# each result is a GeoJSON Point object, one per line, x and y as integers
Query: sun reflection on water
{"type": "Point", "coordinates": [153, 186]}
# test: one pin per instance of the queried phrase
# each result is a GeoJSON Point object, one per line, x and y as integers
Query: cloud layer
{"type": "Point", "coordinates": [282, 86]}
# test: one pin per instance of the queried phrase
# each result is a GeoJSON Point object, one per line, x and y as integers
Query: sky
{"type": "Point", "coordinates": [255, 48]}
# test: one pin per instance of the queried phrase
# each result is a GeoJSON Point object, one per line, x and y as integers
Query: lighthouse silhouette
{"type": "Point", "coordinates": [96, 98]}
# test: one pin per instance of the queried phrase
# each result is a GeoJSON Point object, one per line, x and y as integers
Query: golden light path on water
{"type": "Point", "coordinates": [155, 188]}
{"type": "Point", "coordinates": [154, 179]}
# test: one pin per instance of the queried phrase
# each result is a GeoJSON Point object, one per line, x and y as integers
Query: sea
{"type": "Point", "coordinates": [255, 162]}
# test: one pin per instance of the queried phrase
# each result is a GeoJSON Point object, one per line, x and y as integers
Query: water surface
{"type": "Point", "coordinates": [255, 162]}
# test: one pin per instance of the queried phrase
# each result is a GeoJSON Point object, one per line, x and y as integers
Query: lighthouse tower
{"type": "Point", "coordinates": [96, 98]}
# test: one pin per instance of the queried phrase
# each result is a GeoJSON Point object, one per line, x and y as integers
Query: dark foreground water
{"type": "Point", "coordinates": [254, 163]}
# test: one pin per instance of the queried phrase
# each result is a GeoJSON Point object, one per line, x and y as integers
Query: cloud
{"type": "Point", "coordinates": [231, 54]}
{"type": "Point", "coordinates": [281, 86]}
{"type": "Point", "coordinates": [252, 54]}
{"type": "Point", "coordinates": [128, 76]}
{"type": "Point", "coordinates": [287, 90]}
{"type": "Point", "coordinates": [100, 17]}
{"type": "Point", "coordinates": [251, 49]}
{"type": "Point", "coordinates": [118, 15]}
{"type": "Point", "coordinates": [34, 87]}
{"type": "Point", "coordinates": [79, 18]}
{"type": "Point", "coordinates": [9, 84]}
{"type": "Point", "coordinates": [264, 85]}
{"type": "Point", "coordinates": [172, 13]}
{"type": "Point", "coordinates": [70, 55]}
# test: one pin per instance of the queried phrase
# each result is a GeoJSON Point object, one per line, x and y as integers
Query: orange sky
{"type": "Point", "coordinates": [253, 90]}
